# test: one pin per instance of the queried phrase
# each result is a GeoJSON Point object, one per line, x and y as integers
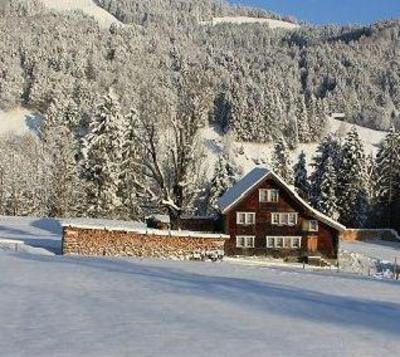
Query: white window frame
{"type": "Point", "coordinates": [247, 220]}
{"type": "Point", "coordinates": [274, 242]}
{"type": "Point", "coordinates": [312, 228]}
{"type": "Point", "coordinates": [284, 218]}
{"type": "Point", "coordinates": [265, 195]}
{"type": "Point", "coordinates": [249, 241]}
{"type": "Point", "coordinates": [275, 218]}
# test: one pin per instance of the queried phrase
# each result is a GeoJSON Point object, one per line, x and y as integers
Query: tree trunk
{"type": "Point", "coordinates": [175, 219]}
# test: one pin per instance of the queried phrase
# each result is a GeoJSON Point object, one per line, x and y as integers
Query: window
{"type": "Point", "coordinates": [313, 226]}
{"type": "Point", "coordinates": [278, 242]}
{"type": "Point", "coordinates": [284, 219]}
{"type": "Point", "coordinates": [292, 219]}
{"type": "Point", "coordinates": [269, 195]}
{"type": "Point", "coordinates": [296, 242]}
{"type": "Point", "coordinates": [245, 241]}
{"type": "Point", "coordinates": [270, 242]}
{"type": "Point", "coordinates": [284, 242]}
{"type": "Point", "coordinates": [245, 218]}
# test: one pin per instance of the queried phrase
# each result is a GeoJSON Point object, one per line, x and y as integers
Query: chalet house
{"type": "Point", "coordinates": [265, 216]}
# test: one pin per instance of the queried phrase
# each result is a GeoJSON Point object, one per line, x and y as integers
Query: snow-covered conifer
{"type": "Point", "coordinates": [302, 120]}
{"type": "Point", "coordinates": [281, 162]}
{"type": "Point", "coordinates": [224, 178]}
{"type": "Point", "coordinates": [352, 182]}
{"type": "Point", "coordinates": [327, 200]}
{"type": "Point", "coordinates": [102, 159]}
{"type": "Point", "coordinates": [131, 175]}
{"type": "Point", "coordinates": [387, 174]}
{"type": "Point", "coordinates": [329, 148]}
{"type": "Point", "coordinates": [301, 181]}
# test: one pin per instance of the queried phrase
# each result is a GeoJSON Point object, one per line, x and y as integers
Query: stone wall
{"type": "Point", "coordinates": [157, 244]}
{"type": "Point", "coordinates": [369, 234]}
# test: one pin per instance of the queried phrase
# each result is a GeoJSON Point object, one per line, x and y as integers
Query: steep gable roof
{"type": "Point", "coordinates": [242, 187]}
{"type": "Point", "coordinates": [250, 181]}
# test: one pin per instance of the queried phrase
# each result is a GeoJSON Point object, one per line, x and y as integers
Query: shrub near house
{"type": "Point", "coordinates": [264, 215]}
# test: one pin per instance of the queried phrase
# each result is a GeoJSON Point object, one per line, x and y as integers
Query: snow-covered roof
{"type": "Point", "coordinates": [242, 188]}
{"type": "Point", "coordinates": [102, 224]}
{"type": "Point", "coordinates": [163, 218]}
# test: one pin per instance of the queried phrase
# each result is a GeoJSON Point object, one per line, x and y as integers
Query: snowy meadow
{"type": "Point", "coordinates": [59, 306]}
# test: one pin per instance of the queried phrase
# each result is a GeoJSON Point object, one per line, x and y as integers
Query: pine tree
{"type": "Point", "coordinates": [65, 188]}
{"type": "Point", "coordinates": [223, 179]}
{"type": "Point", "coordinates": [327, 200]}
{"type": "Point", "coordinates": [301, 176]}
{"type": "Point", "coordinates": [387, 174]}
{"type": "Point", "coordinates": [302, 120]}
{"type": "Point", "coordinates": [51, 120]}
{"type": "Point", "coordinates": [329, 148]}
{"type": "Point", "coordinates": [281, 161]}
{"type": "Point", "coordinates": [131, 176]}
{"type": "Point", "coordinates": [352, 182]}
{"type": "Point", "coordinates": [102, 159]}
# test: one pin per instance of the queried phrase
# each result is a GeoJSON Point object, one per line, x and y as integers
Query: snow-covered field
{"type": "Point", "coordinates": [88, 7]}
{"type": "Point", "coordinates": [247, 155]}
{"type": "Point", "coordinates": [52, 305]}
{"type": "Point", "coordinates": [64, 306]}
{"type": "Point", "coordinates": [274, 24]}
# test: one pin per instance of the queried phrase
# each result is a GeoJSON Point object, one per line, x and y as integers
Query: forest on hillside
{"type": "Point", "coordinates": [162, 76]}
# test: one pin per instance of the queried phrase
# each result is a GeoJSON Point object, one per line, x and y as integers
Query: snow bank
{"type": "Point", "coordinates": [88, 7]}
{"type": "Point", "coordinates": [375, 249]}
{"type": "Point", "coordinates": [273, 24]}
{"type": "Point", "coordinates": [374, 258]}
{"type": "Point", "coordinates": [10, 245]}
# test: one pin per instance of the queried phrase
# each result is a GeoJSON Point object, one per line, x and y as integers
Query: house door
{"type": "Point", "coordinates": [312, 244]}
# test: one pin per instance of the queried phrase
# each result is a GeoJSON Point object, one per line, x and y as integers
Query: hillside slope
{"type": "Point", "coordinates": [88, 7]}
{"type": "Point", "coordinates": [247, 155]}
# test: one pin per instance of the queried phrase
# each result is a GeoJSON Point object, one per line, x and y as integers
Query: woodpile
{"type": "Point", "coordinates": [104, 242]}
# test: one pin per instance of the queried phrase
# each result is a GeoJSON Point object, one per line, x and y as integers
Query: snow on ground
{"type": "Point", "coordinates": [19, 121]}
{"type": "Point", "coordinates": [70, 306]}
{"type": "Point", "coordinates": [247, 155]}
{"type": "Point", "coordinates": [373, 257]}
{"type": "Point", "coordinates": [376, 249]}
{"type": "Point", "coordinates": [42, 233]}
{"type": "Point", "coordinates": [274, 24]}
{"type": "Point", "coordinates": [88, 7]}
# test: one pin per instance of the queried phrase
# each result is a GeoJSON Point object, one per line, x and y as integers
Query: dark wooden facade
{"type": "Point", "coordinates": [322, 243]}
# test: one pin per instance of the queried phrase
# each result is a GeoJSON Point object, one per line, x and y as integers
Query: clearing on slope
{"type": "Point", "coordinates": [88, 7]}
{"type": "Point", "coordinates": [19, 121]}
{"type": "Point", "coordinates": [273, 24]}
{"type": "Point", "coordinates": [248, 154]}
